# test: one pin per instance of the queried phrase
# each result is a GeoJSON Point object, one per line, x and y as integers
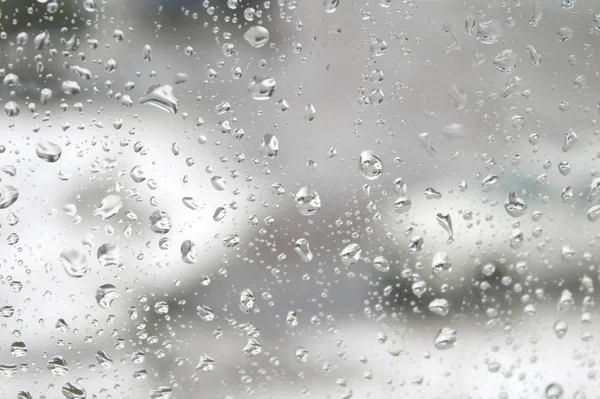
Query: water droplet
{"type": "Point", "coordinates": [109, 255]}
{"type": "Point", "coordinates": [161, 307]}
{"type": "Point", "coordinates": [18, 349]}
{"type": "Point", "coordinates": [252, 347]}
{"type": "Point", "coordinates": [506, 61]}
{"type": "Point", "coordinates": [137, 174]}
{"type": "Point", "coordinates": [369, 165]}
{"type": "Point", "coordinates": [308, 201]}
{"type": "Point", "coordinates": [261, 87]}
{"type": "Point", "coordinates": [57, 365]}
{"type": "Point", "coordinates": [432, 193]}
{"type": "Point", "coordinates": [593, 213]}
{"type": "Point", "coordinates": [205, 313]}
{"type": "Point", "coordinates": [564, 34]}
{"type": "Point", "coordinates": [512, 87]}
{"type": "Point", "coordinates": [536, 14]}
{"type": "Point", "coordinates": [105, 295]}
{"type": "Point", "coordinates": [445, 221]}
{"type": "Point", "coordinates": [218, 183]}
{"type": "Point", "coordinates": [378, 47]}
{"type": "Point", "coordinates": [534, 55]}
{"type": "Point", "coordinates": [70, 88]}
{"type": "Point", "coordinates": [109, 207]}
{"type": "Point", "coordinates": [440, 265]}
{"type": "Point", "coordinates": [402, 205]}
{"type": "Point", "coordinates": [160, 222]}
{"type": "Point", "coordinates": [445, 339]}
{"type": "Point", "coordinates": [351, 254]}
{"type": "Point", "coordinates": [489, 182]}
{"type": "Point", "coordinates": [331, 5]}
{"type": "Point", "coordinates": [269, 146]}
{"type": "Point", "coordinates": [188, 251]}
{"type": "Point", "coordinates": [104, 360]}
{"type": "Point", "coordinates": [488, 32]}
{"type": "Point", "coordinates": [439, 306]}
{"type": "Point", "coordinates": [257, 36]}
{"type": "Point", "coordinates": [161, 96]}
{"type": "Point", "coordinates": [310, 112]}
{"type": "Point", "coordinates": [594, 190]}
{"type": "Point", "coordinates": [89, 5]}
{"type": "Point", "coordinates": [302, 248]}
{"type": "Point", "coordinates": [74, 262]}
{"type": "Point", "coordinates": [73, 391]}
{"type": "Point", "coordinates": [514, 205]}
{"type": "Point", "coordinates": [381, 264]}
{"type": "Point", "coordinates": [566, 301]}
{"type": "Point", "coordinates": [205, 363]}
{"type": "Point", "coordinates": [455, 131]}
{"type": "Point", "coordinates": [560, 328]}
{"type": "Point", "coordinates": [219, 214]}
{"type": "Point", "coordinates": [231, 240]}
{"type": "Point", "coordinates": [247, 301]}
{"type": "Point", "coordinates": [554, 391]}
{"type": "Point", "coordinates": [302, 355]}
{"type": "Point", "coordinates": [570, 140]}
{"type": "Point", "coordinates": [418, 288]}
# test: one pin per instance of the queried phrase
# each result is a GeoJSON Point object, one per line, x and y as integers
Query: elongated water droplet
{"type": "Point", "coordinates": [188, 251]}
{"type": "Point", "coordinates": [302, 248]}
{"type": "Point", "coordinates": [73, 391]}
{"type": "Point", "coordinates": [351, 254]}
{"type": "Point", "coordinates": [445, 221]}
{"type": "Point", "coordinates": [269, 146]}
{"type": "Point", "coordinates": [247, 301]}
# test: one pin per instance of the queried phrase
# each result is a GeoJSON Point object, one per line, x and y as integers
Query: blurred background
{"type": "Point", "coordinates": [183, 224]}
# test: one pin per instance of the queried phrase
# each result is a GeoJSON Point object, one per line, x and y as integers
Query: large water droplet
{"type": "Point", "coordinates": [109, 255]}
{"type": "Point", "coordinates": [8, 196]}
{"type": "Point", "coordinates": [302, 248]}
{"type": "Point", "coordinates": [105, 295]}
{"type": "Point", "coordinates": [73, 391]}
{"type": "Point", "coordinates": [188, 251]}
{"type": "Point", "coordinates": [445, 339]}
{"type": "Point", "coordinates": [74, 261]}
{"type": "Point", "coordinates": [257, 36]}
{"type": "Point", "coordinates": [161, 96]}
{"type": "Point", "coordinates": [351, 254]}
{"type": "Point", "coordinates": [261, 87]}
{"type": "Point", "coordinates": [110, 206]}
{"type": "Point", "coordinates": [160, 222]}
{"type": "Point", "coordinates": [369, 165]}
{"type": "Point", "coordinates": [308, 201]}
{"type": "Point", "coordinates": [48, 151]}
